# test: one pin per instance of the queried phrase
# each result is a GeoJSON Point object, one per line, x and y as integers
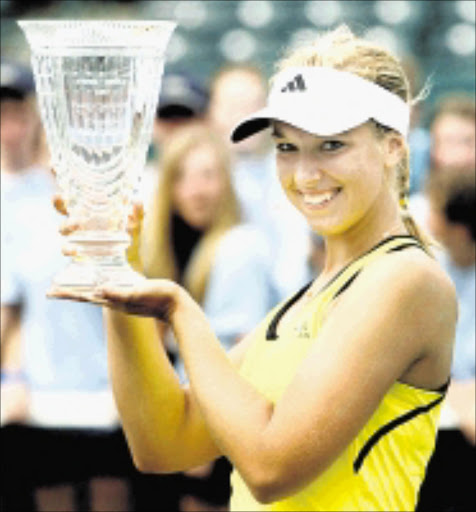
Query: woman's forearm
{"type": "Point", "coordinates": [234, 411]}
{"type": "Point", "coordinates": [148, 394]}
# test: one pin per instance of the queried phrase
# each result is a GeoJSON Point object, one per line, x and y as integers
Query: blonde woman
{"type": "Point", "coordinates": [332, 401]}
{"type": "Point", "coordinates": [193, 235]}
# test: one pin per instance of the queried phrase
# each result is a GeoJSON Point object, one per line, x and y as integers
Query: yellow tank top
{"type": "Point", "coordinates": [384, 466]}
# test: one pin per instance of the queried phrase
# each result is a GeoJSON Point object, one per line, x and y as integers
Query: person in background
{"type": "Point", "coordinates": [62, 446]}
{"type": "Point", "coordinates": [20, 129]}
{"type": "Point", "coordinates": [419, 139]}
{"type": "Point", "coordinates": [449, 485]}
{"type": "Point", "coordinates": [453, 132]}
{"type": "Point", "coordinates": [453, 143]}
{"type": "Point", "coordinates": [183, 101]}
{"type": "Point", "coordinates": [193, 235]}
{"type": "Point", "coordinates": [236, 91]}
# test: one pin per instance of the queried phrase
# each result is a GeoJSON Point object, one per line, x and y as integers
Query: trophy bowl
{"type": "Point", "coordinates": [97, 85]}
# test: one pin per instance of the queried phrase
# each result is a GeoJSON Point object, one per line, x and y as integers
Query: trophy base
{"type": "Point", "coordinates": [86, 277]}
{"type": "Point", "coordinates": [97, 264]}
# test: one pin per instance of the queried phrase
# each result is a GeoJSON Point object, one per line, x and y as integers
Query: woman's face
{"type": "Point", "coordinates": [199, 186]}
{"type": "Point", "coordinates": [453, 141]}
{"type": "Point", "coordinates": [335, 181]}
{"type": "Point", "coordinates": [19, 126]}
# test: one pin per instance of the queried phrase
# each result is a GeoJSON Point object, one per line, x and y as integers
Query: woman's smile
{"type": "Point", "coordinates": [318, 200]}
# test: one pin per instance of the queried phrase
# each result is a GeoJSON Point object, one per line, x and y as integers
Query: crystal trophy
{"type": "Point", "coordinates": [97, 85]}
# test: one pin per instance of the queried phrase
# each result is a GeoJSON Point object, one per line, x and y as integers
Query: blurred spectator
{"type": "Point", "coordinates": [452, 222]}
{"type": "Point", "coordinates": [419, 137]}
{"type": "Point", "coordinates": [237, 91]}
{"type": "Point", "coordinates": [453, 133]}
{"type": "Point", "coordinates": [60, 428]}
{"type": "Point", "coordinates": [450, 479]}
{"type": "Point", "coordinates": [453, 139]}
{"type": "Point", "coordinates": [183, 101]}
{"type": "Point", "coordinates": [193, 235]}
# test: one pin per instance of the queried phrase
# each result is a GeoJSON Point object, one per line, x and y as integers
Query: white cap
{"type": "Point", "coordinates": [325, 101]}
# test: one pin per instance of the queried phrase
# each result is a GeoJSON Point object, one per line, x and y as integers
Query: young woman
{"type": "Point", "coordinates": [332, 401]}
{"type": "Point", "coordinates": [193, 235]}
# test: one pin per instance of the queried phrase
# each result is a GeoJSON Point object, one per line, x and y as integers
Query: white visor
{"type": "Point", "coordinates": [325, 101]}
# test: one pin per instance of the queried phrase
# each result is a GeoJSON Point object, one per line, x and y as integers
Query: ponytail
{"type": "Point", "coordinates": [403, 189]}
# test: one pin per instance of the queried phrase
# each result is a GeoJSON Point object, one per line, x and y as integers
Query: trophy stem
{"type": "Point", "coordinates": [97, 263]}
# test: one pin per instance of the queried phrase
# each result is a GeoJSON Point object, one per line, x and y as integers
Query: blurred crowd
{"type": "Point", "coordinates": [216, 221]}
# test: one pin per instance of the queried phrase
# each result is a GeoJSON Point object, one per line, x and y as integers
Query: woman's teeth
{"type": "Point", "coordinates": [320, 199]}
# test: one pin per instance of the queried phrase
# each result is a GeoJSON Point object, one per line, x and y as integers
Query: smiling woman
{"type": "Point", "coordinates": [348, 82]}
{"type": "Point", "coordinates": [332, 401]}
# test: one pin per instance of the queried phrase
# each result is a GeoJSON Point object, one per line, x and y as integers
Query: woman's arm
{"type": "Point", "coordinates": [396, 322]}
{"type": "Point", "coordinates": [161, 419]}
{"type": "Point", "coordinates": [396, 317]}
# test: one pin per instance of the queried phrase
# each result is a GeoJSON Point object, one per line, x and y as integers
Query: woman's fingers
{"type": "Point", "coordinates": [60, 204]}
{"type": "Point", "coordinates": [78, 295]}
{"type": "Point", "coordinates": [152, 298]}
{"type": "Point", "coordinates": [138, 210]}
{"type": "Point", "coordinates": [149, 298]}
{"type": "Point", "coordinates": [127, 298]}
{"type": "Point", "coordinates": [68, 227]}
{"type": "Point", "coordinates": [135, 217]}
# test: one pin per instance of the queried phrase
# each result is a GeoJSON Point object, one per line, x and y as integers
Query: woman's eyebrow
{"type": "Point", "coordinates": [276, 133]}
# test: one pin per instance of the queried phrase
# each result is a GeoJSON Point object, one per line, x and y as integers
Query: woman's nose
{"type": "Point", "coordinates": [307, 170]}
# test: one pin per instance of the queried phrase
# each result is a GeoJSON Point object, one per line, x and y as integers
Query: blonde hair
{"type": "Point", "coordinates": [341, 49]}
{"type": "Point", "coordinates": [158, 258]}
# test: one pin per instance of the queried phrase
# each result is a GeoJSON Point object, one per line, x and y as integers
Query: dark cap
{"type": "Point", "coordinates": [16, 80]}
{"type": "Point", "coordinates": [181, 96]}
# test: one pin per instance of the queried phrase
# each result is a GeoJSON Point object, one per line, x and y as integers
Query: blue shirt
{"type": "Point", "coordinates": [464, 365]}
{"type": "Point", "coordinates": [63, 345]}
{"type": "Point", "coordinates": [239, 292]}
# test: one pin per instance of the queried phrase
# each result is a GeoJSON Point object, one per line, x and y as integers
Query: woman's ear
{"type": "Point", "coordinates": [394, 149]}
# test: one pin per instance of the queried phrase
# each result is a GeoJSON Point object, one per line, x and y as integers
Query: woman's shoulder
{"type": "Point", "coordinates": [414, 282]}
{"type": "Point", "coordinates": [406, 296]}
{"type": "Point", "coordinates": [411, 271]}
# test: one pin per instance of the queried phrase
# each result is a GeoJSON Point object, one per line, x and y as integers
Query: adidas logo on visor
{"type": "Point", "coordinates": [296, 84]}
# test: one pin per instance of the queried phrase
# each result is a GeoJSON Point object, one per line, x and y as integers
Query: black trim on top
{"type": "Point", "coordinates": [271, 333]}
{"type": "Point", "coordinates": [444, 387]}
{"type": "Point", "coordinates": [385, 429]}
{"type": "Point", "coordinates": [405, 246]}
{"type": "Point", "coordinates": [346, 285]}
{"type": "Point", "coordinates": [366, 253]}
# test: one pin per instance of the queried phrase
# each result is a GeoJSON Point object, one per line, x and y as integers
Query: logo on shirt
{"type": "Point", "coordinates": [296, 84]}
{"type": "Point", "coordinates": [302, 330]}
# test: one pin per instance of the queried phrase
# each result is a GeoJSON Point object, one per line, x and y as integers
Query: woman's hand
{"type": "Point", "coordinates": [134, 227]}
{"type": "Point", "coordinates": [157, 298]}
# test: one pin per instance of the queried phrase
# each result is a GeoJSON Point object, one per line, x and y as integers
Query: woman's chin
{"type": "Point", "coordinates": [329, 227]}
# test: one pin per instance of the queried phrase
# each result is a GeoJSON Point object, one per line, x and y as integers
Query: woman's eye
{"type": "Point", "coordinates": [332, 145]}
{"type": "Point", "coordinates": [284, 147]}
